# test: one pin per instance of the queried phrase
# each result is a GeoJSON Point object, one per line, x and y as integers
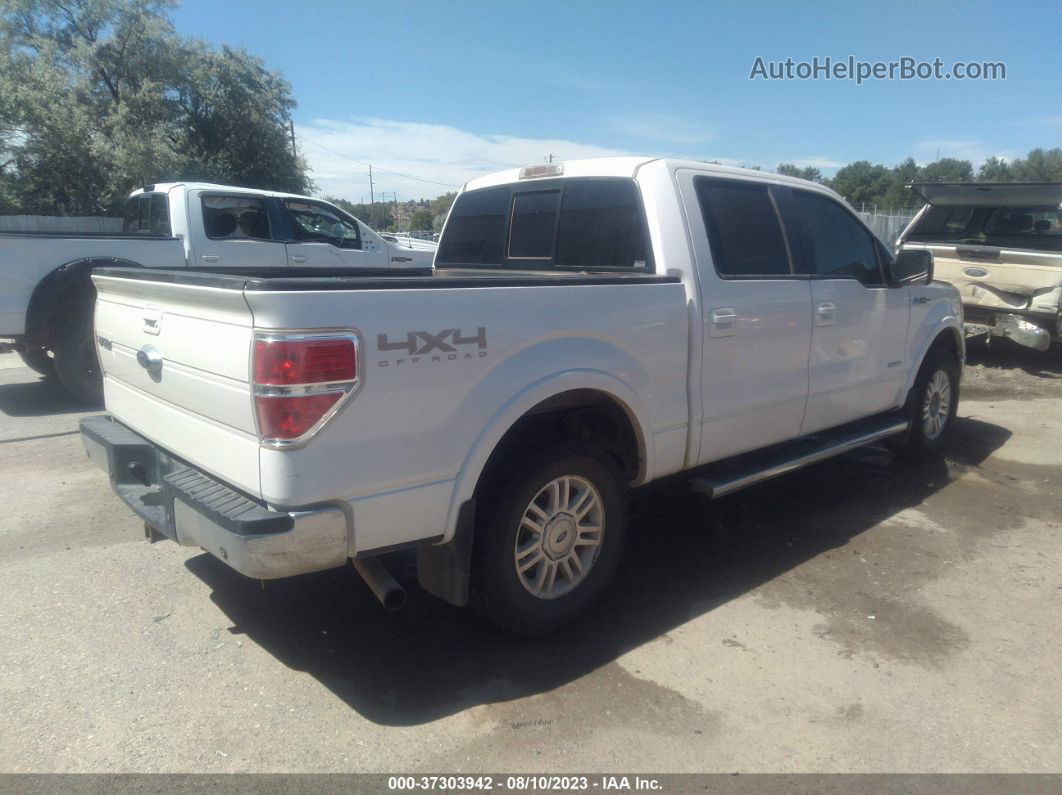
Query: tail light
{"type": "Point", "coordinates": [299, 381]}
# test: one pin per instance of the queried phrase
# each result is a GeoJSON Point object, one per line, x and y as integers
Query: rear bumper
{"type": "Point", "coordinates": [190, 507]}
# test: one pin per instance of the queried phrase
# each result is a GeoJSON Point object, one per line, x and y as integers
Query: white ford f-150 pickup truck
{"type": "Point", "coordinates": [588, 327]}
{"type": "Point", "coordinates": [46, 291]}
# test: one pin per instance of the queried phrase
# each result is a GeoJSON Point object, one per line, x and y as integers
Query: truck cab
{"type": "Point", "coordinates": [243, 228]}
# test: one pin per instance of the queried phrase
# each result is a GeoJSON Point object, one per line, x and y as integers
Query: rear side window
{"type": "Point", "coordinates": [475, 230]}
{"type": "Point", "coordinates": [840, 247]}
{"type": "Point", "coordinates": [236, 218]}
{"type": "Point", "coordinates": [601, 226]}
{"type": "Point", "coordinates": [586, 224]}
{"type": "Point", "coordinates": [147, 214]}
{"type": "Point", "coordinates": [744, 232]}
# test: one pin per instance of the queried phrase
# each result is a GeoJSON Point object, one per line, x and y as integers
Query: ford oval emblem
{"type": "Point", "coordinates": [975, 273]}
{"type": "Point", "coordinates": [149, 358]}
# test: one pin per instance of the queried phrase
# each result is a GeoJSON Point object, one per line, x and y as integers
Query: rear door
{"type": "Point", "coordinates": [322, 237]}
{"type": "Point", "coordinates": [859, 343]}
{"type": "Point", "coordinates": [235, 230]}
{"type": "Point", "coordinates": [756, 316]}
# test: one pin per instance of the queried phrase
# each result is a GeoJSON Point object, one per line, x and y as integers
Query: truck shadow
{"type": "Point", "coordinates": [1004, 354]}
{"type": "Point", "coordinates": [685, 558]}
{"type": "Point", "coordinates": [41, 397]}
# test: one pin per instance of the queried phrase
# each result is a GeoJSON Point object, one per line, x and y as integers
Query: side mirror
{"type": "Point", "coordinates": [912, 266]}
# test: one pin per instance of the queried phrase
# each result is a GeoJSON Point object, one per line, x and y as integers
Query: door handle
{"type": "Point", "coordinates": [724, 322]}
{"type": "Point", "coordinates": [210, 258]}
{"type": "Point", "coordinates": [824, 313]}
{"type": "Point", "coordinates": [298, 259]}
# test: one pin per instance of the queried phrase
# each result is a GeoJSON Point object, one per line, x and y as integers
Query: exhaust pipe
{"type": "Point", "coordinates": [391, 595]}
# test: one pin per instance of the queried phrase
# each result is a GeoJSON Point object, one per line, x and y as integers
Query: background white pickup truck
{"type": "Point", "coordinates": [46, 293]}
{"type": "Point", "coordinates": [589, 326]}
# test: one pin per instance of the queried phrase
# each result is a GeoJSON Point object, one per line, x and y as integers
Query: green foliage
{"type": "Point", "coordinates": [864, 183]}
{"type": "Point", "coordinates": [100, 96]}
{"type": "Point", "coordinates": [421, 221]}
{"type": "Point", "coordinates": [1038, 166]}
{"type": "Point", "coordinates": [378, 216]}
{"type": "Point", "coordinates": [947, 169]}
{"type": "Point", "coordinates": [807, 172]}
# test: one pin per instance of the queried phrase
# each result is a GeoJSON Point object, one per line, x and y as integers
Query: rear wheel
{"type": "Point", "coordinates": [76, 362]}
{"type": "Point", "coordinates": [935, 399]}
{"type": "Point", "coordinates": [549, 540]}
{"type": "Point", "coordinates": [38, 360]}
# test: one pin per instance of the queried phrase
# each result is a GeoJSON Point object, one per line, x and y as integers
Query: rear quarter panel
{"type": "Point", "coordinates": [409, 447]}
{"type": "Point", "coordinates": [26, 259]}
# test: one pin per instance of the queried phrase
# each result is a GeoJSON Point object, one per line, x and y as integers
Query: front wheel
{"type": "Point", "coordinates": [935, 399]}
{"type": "Point", "coordinates": [550, 539]}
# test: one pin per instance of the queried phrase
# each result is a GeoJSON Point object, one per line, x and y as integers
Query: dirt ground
{"type": "Point", "coordinates": [859, 616]}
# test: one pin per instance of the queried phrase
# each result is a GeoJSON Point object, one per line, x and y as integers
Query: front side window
{"type": "Point", "coordinates": [744, 232]}
{"type": "Point", "coordinates": [312, 221]}
{"type": "Point", "coordinates": [836, 245]}
{"type": "Point", "coordinates": [584, 224]}
{"type": "Point", "coordinates": [236, 218]}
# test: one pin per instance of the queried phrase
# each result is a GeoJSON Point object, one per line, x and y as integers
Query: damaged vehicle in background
{"type": "Point", "coordinates": [1000, 244]}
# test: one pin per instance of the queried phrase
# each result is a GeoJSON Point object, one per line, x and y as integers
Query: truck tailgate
{"type": "Point", "coordinates": [188, 391]}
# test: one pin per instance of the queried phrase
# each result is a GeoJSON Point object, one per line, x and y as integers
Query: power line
{"type": "Point", "coordinates": [377, 168]}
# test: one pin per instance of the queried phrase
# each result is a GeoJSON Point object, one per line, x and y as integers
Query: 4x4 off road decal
{"type": "Point", "coordinates": [448, 345]}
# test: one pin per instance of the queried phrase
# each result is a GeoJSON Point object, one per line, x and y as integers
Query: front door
{"type": "Point", "coordinates": [858, 346]}
{"type": "Point", "coordinates": [238, 231]}
{"type": "Point", "coordinates": [324, 238]}
{"type": "Point", "coordinates": [756, 317]}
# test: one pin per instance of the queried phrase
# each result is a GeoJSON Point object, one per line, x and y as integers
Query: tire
{"type": "Point", "coordinates": [38, 360]}
{"type": "Point", "coordinates": [934, 401]}
{"type": "Point", "coordinates": [76, 362]}
{"type": "Point", "coordinates": [566, 572]}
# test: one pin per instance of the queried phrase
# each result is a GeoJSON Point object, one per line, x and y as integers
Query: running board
{"type": "Point", "coordinates": [758, 467]}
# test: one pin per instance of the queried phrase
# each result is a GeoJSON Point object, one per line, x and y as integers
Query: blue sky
{"type": "Point", "coordinates": [447, 90]}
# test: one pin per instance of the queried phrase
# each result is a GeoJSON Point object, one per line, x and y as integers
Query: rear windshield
{"type": "Point", "coordinates": [147, 214]}
{"type": "Point", "coordinates": [579, 224]}
{"type": "Point", "coordinates": [1035, 228]}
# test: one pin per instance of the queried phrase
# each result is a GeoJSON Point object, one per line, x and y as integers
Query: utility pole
{"type": "Point", "coordinates": [291, 132]}
{"type": "Point", "coordinates": [372, 199]}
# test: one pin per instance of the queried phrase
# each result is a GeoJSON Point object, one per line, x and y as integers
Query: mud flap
{"type": "Point", "coordinates": [444, 570]}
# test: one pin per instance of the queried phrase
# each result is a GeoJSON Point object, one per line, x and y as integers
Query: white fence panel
{"type": "Point", "coordinates": [61, 225]}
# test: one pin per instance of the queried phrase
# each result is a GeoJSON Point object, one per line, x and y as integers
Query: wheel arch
{"type": "Point", "coordinates": [557, 402]}
{"type": "Point", "coordinates": [56, 288]}
{"type": "Point", "coordinates": [949, 338]}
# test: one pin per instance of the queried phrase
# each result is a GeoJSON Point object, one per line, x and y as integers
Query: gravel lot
{"type": "Point", "coordinates": [860, 616]}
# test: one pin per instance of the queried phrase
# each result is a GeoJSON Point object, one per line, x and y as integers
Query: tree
{"type": "Point", "coordinates": [898, 195]}
{"type": "Point", "coordinates": [995, 169]}
{"type": "Point", "coordinates": [807, 172]}
{"type": "Point", "coordinates": [862, 182]}
{"type": "Point", "coordinates": [100, 96]}
{"type": "Point", "coordinates": [421, 221]}
{"type": "Point", "coordinates": [1040, 165]}
{"type": "Point", "coordinates": [947, 169]}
